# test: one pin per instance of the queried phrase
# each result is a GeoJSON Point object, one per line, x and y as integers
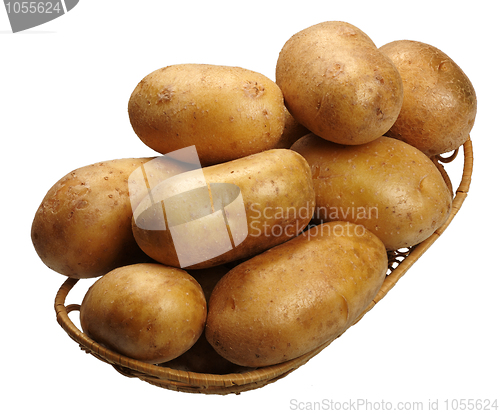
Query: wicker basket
{"type": "Point", "coordinates": [399, 263]}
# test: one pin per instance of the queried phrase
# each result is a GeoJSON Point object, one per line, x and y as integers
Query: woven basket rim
{"type": "Point", "coordinates": [237, 382]}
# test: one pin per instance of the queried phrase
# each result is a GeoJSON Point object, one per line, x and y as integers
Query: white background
{"type": "Point", "coordinates": [64, 91]}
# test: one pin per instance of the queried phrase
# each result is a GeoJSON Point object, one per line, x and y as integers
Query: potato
{"type": "Point", "coordinates": [338, 85]}
{"type": "Point", "coordinates": [226, 112]}
{"type": "Point", "coordinates": [388, 186]}
{"type": "Point", "coordinates": [230, 211]}
{"type": "Point", "coordinates": [439, 105]}
{"type": "Point", "coordinates": [296, 296]}
{"type": "Point", "coordinates": [82, 226]}
{"type": "Point", "coordinates": [146, 311]}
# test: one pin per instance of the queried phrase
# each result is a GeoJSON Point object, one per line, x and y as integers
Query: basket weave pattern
{"type": "Point", "coordinates": [399, 263]}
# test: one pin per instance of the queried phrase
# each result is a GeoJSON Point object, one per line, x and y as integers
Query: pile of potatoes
{"type": "Point", "coordinates": [279, 240]}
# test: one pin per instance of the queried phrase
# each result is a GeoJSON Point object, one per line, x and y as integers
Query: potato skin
{"type": "Point", "coordinates": [82, 226]}
{"type": "Point", "coordinates": [278, 196]}
{"type": "Point", "coordinates": [146, 311]}
{"type": "Point", "coordinates": [338, 85]}
{"type": "Point", "coordinates": [296, 296]}
{"type": "Point", "coordinates": [439, 105]}
{"type": "Point", "coordinates": [388, 186]}
{"type": "Point", "coordinates": [226, 112]}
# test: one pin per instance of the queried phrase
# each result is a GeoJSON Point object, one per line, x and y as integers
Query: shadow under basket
{"type": "Point", "coordinates": [234, 383]}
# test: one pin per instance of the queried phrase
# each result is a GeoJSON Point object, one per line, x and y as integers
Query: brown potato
{"type": "Point", "coordinates": [388, 186]}
{"type": "Point", "coordinates": [226, 112]}
{"type": "Point", "coordinates": [439, 105]}
{"type": "Point", "coordinates": [338, 84]}
{"type": "Point", "coordinates": [296, 296]}
{"type": "Point", "coordinates": [231, 211]}
{"type": "Point", "coordinates": [82, 227]}
{"type": "Point", "coordinates": [149, 312]}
